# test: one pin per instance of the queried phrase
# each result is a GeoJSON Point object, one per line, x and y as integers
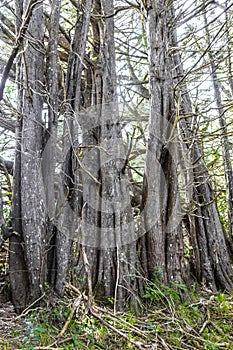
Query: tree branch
{"type": "Point", "coordinates": [6, 165]}
{"type": "Point", "coordinates": [6, 123]}
{"type": "Point", "coordinates": [19, 41]}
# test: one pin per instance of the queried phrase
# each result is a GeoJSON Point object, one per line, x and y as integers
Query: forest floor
{"type": "Point", "coordinates": [162, 321]}
{"type": "Point", "coordinates": [72, 322]}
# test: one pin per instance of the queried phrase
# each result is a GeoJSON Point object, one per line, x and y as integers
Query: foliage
{"type": "Point", "coordinates": [203, 323]}
{"type": "Point", "coordinates": [161, 293]}
{"type": "Point", "coordinates": [133, 87]}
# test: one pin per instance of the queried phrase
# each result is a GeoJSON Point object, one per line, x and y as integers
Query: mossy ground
{"type": "Point", "coordinates": [205, 322]}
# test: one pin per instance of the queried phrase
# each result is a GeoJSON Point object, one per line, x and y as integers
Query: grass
{"type": "Point", "coordinates": [165, 323]}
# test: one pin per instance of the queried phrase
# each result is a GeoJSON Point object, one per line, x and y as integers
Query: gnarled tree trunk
{"type": "Point", "coordinates": [162, 244]}
{"type": "Point", "coordinates": [210, 259]}
{"type": "Point", "coordinates": [27, 245]}
{"type": "Point", "coordinates": [107, 236]}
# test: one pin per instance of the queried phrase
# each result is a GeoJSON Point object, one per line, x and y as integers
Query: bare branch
{"type": "Point", "coordinates": [6, 165]}
{"type": "Point", "coordinates": [19, 41]}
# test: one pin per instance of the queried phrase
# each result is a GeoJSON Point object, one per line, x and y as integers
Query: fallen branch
{"type": "Point", "coordinates": [120, 321]}
{"type": "Point", "coordinates": [73, 310]}
{"type": "Point", "coordinates": [29, 308]}
{"type": "Point", "coordinates": [135, 343]}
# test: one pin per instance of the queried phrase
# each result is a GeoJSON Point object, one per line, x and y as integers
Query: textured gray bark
{"type": "Point", "coordinates": [27, 245]}
{"type": "Point", "coordinates": [107, 234]}
{"type": "Point", "coordinates": [17, 265]}
{"type": "Point", "coordinates": [226, 146]}
{"type": "Point", "coordinates": [68, 219]}
{"type": "Point", "coordinates": [211, 263]}
{"type": "Point", "coordinates": [162, 244]}
{"type": "Point", "coordinates": [5, 232]}
{"type": "Point", "coordinates": [114, 189]}
{"type": "Point", "coordinates": [229, 49]}
{"type": "Point", "coordinates": [49, 152]}
{"type": "Point", "coordinates": [32, 204]}
{"type": "Point", "coordinates": [92, 205]}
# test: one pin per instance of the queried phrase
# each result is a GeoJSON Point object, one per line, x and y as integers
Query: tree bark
{"type": "Point", "coordinates": [70, 178]}
{"type": "Point", "coordinates": [226, 147]}
{"type": "Point", "coordinates": [27, 245]}
{"type": "Point", "coordinates": [107, 234]}
{"type": "Point", "coordinates": [162, 244]}
{"type": "Point", "coordinates": [49, 158]}
{"type": "Point", "coordinates": [211, 264]}
{"type": "Point", "coordinates": [32, 203]}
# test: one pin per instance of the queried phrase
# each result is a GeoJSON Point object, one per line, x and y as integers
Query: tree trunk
{"type": "Point", "coordinates": [210, 260]}
{"type": "Point", "coordinates": [107, 236]}
{"type": "Point", "coordinates": [162, 244]}
{"type": "Point", "coordinates": [27, 245]}
{"type": "Point", "coordinates": [67, 222]}
{"type": "Point", "coordinates": [49, 157]}
{"type": "Point", "coordinates": [226, 147]}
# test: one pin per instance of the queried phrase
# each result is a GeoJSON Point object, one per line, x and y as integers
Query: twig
{"type": "Point", "coordinates": [137, 344]}
{"type": "Point", "coordinates": [120, 320]}
{"type": "Point", "coordinates": [7, 70]}
{"type": "Point", "coordinates": [164, 344]}
{"type": "Point", "coordinates": [117, 279]}
{"type": "Point", "coordinates": [28, 309]}
{"type": "Point", "coordinates": [220, 330]}
{"type": "Point", "coordinates": [204, 326]}
{"type": "Point", "coordinates": [46, 348]}
{"type": "Point", "coordinates": [120, 8]}
{"type": "Point", "coordinates": [19, 41]}
{"type": "Point", "coordinates": [74, 308]}
{"type": "Point", "coordinates": [73, 288]}
{"type": "Point", "coordinates": [97, 147]}
{"type": "Point", "coordinates": [88, 272]}
{"type": "Point", "coordinates": [6, 166]}
{"type": "Point", "coordinates": [87, 171]}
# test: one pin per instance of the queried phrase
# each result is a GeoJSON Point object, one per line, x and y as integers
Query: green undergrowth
{"type": "Point", "coordinates": [205, 322]}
